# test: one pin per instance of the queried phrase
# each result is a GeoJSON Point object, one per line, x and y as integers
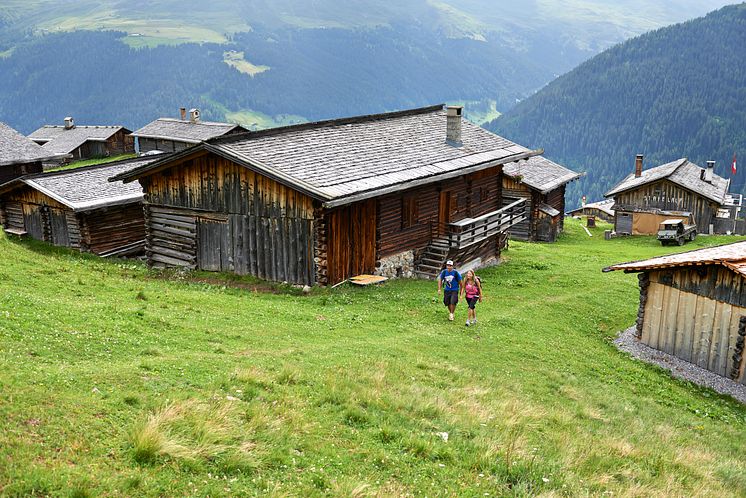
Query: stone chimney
{"type": "Point", "coordinates": [194, 115]}
{"type": "Point", "coordinates": [638, 166]}
{"type": "Point", "coordinates": [69, 123]}
{"type": "Point", "coordinates": [182, 112]}
{"type": "Point", "coordinates": [709, 171]}
{"type": "Point", "coordinates": [453, 125]}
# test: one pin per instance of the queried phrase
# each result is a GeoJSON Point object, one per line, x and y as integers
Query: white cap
{"type": "Point", "coordinates": [449, 262]}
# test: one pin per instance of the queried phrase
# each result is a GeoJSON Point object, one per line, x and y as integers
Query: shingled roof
{"type": "Point", "coordinates": [541, 174]}
{"type": "Point", "coordinates": [682, 172]}
{"type": "Point", "coordinates": [605, 206]}
{"type": "Point", "coordinates": [185, 131]}
{"type": "Point", "coordinates": [61, 140]}
{"type": "Point", "coordinates": [86, 188]}
{"type": "Point", "coordinates": [731, 256]}
{"type": "Point", "coordinates": [341, 161]}
{"type": "Point", "coordinates": [17, 149]}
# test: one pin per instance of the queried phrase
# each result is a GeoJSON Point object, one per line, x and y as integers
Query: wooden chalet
{"type": "Point", "coordinates": [78, 208]}
{"type": "Point", "coordinates": [693, 306]}
{"type": "Point", "coordinates": [679, 189]}
{"type": "Point", "coordinates": [84, 142]}
{"type": "Point", "coordinates": [542, 183]}
{"type": "Point", "coordinates": [175, 135]}
{"type": "Point", "coordinates": [318, 203]}
{"type": "Point", "coordinates": [19, 155]}
{"type": "Point", "coordinates": [601, 210]}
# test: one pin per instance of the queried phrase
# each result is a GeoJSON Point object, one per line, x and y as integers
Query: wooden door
{"type": "Point", "coordinates": [351, 246]}
{"type": "Point", "coordinates": [34, 221]}
{"type": "Point", "coordinates": [58, 228]}
{"type": "Point", "coordinates": [215, 244]}
{"type": "Point", "coordinates": [624, 223]}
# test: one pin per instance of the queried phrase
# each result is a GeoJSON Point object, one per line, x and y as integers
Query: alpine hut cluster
{"type": "Point", "coordinates": [74, 142]}
{"type": "Point", "coordinates": [392, 194]}
{"type": "Point", "coordinates": [19, 155]}
{"type": "Point", "coordinates": [693, 306]}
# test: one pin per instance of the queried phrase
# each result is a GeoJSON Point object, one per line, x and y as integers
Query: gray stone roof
{"type": "Point", "coordinates": [60, 140]}
{"type": "Point", "coordinates": [17, 149]}
{"type": "Point", "coordinates": [605, 206]}
{"type": "Point", "coordinates": [541, 174]}
{"type": "Point", "coordinates": [344, 160]}
{"type": "Point", "coordinates": [86, 188]}
{"type": "Point", "coordinates": [682, 172]}
{"type": "Point", "coordinates": [184, 131]}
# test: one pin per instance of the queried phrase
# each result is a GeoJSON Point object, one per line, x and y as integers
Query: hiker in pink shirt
{"type": "Point", "coordinates": [473, 289]}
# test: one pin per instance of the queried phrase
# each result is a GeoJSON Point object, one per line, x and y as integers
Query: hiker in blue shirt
{"type": "Point", "coordinates": [453, 282]}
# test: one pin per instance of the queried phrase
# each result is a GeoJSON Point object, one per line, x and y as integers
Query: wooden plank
{"type": "Point", "coordinates": [714, 358]}
{"type": "Point", "coordinates": [671, 309]}
{"type": "Point", "coordinates": [724, 339]}
{"type": "Point", "coordinates": [685, 321]}
{"type": "Point", "coordinates": [653, 309]}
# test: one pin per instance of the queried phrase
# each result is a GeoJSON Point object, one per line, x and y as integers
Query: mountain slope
{"type": "Point", "coordinates": [676, 92]}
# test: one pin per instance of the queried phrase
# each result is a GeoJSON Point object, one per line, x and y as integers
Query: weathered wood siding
{"type": "Point", "coordinates": [446, 202]}
{"type": "Point", "coordinates": [667, 196]}
{"type": "Point", "coordinates": [207, 212]}
{"type": "Point", "coordinates": [107, 229]}
{"type": "Point", "coordinates": [151, 144]}
{"type": "Point", "coordinates": [538, 226]}
{"type": "Point", "coordinates": [12, 171]}
{"type": "Point", "coordinates": [694, 314]}
{"type": "Point", "coordinates": [351, 241]}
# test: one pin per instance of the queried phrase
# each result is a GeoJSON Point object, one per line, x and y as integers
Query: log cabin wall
{"type": "Point", "coordinates": [695, 313]}
{"type": "Point", "coordinates": [106, 229]}
{"type": "Point", "coordinates": [13, 171]}
{"type": "Point", "coordinates": [31, 211]}
{"type": "Point", "coordinates": [207, 212]}
{"type": "Point", "coordinates": [151, 144]}
{"type": "Point", "coordinates": [667, 196]}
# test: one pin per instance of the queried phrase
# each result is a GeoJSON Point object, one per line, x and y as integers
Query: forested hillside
{"type": "Point", "coordinates": [676, 92]}
{"type": "Point", "coordinates": [276, 62]}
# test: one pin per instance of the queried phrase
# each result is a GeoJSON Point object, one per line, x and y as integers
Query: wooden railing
{"type": "Point", "coordinates": [470, 231]}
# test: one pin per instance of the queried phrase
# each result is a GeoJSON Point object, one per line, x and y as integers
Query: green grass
{"type": "Point", "coordinates": [118, 381]}
{"type": "Point", "coordinates": [91, 162]}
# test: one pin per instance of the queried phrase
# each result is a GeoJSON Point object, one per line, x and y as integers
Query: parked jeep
{"type": "Point", "coordinates": [673, 232]}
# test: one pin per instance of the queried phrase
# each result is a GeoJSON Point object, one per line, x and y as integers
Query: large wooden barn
{"type": "Point", "coordinates": [84, 142]}
{"type": "Point", "coordinates": [175, 135]}
{"type": "Point", "coordinates": [19, 155]}
{"type": "Point", "coordinates": [320, 202]}
{"type": "Point", "coordinates": [78, 208]}
{"type": "Point", "coordinates": [542, 183]}
{"type": "Point", "coordinates": [693, 306]}
{"type": "Point", "coordinates": [679, 189]}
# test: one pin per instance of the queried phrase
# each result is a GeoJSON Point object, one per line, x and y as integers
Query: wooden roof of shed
{"type": "Point", "coordinates": [681, 172]}
{"type": "Point", "coordinates": [732, 256]}
{"type": "Point", "coordinates": [184, 131]}
{"type": "Point", "coordinates": [61, 140]}
{"type": "Point", "coordinates": [539, 173]}
{"type": "Point", "coordinates": [86, 188]}
{"type": "Point", "coordinates": [18, 149]}
{"type": "Point", "coordinates": [345, 160]}
{"type": "Point", "coordinates": [603, 206]}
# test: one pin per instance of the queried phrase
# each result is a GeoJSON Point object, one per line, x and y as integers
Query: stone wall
{"type": "Point", "coordinates": [399, 265]}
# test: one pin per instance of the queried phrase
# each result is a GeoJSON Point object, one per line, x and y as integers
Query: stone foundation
{"type": "Point", "coordinates": [397, 266]}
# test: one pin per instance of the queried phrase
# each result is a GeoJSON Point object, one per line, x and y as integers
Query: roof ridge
{"type": "Point", "coordinates": [186, 121]}
{"type": "Point", "coordinates": [325, 123]}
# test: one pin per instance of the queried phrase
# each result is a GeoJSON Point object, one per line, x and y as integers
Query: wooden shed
{"type": "Point", "coordinates": [602, 210]}
{"type": "Point", "coordinates": [542, 183]}
{"type": "Point", "coordinates": [175, 135]}
{"type": "Point", "coordinates": [317, 203]}
{"type": "Point", "coordinates": [76, 142]}
{"type": "Point", "coordinates": [693, 306]}
{"type": "Point", "coordinates": [674, 190]}
{"type": "Point", "coordinates": [19, 155]}
{"type": "Point", "coordinates": [78, 208]}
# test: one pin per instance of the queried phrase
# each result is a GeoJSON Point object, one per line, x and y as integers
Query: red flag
{"type": "Point", "coordinates": [733, 166]}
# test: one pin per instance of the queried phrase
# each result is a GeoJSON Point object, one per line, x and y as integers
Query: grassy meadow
{"type": "Point", "coordinates": [118, 381]}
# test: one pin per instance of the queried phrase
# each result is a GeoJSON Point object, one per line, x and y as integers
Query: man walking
{"type": "Point", "coordinates": [452, 280]}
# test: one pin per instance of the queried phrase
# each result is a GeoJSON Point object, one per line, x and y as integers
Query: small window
{"type": "Point", "coordinates": [408, 211]}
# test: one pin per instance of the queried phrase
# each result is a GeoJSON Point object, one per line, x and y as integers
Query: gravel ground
{"type": "Point", "coordinates": [679, 368]}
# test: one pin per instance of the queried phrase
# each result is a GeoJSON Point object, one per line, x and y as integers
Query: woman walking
{"type": "Point", "coordinates": [473, 289]}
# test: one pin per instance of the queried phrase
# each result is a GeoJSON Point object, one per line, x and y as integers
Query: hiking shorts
{"type": "Point", "coordinates": [450, 298]}
{"type": "Point", "coordinates": [472, 302]}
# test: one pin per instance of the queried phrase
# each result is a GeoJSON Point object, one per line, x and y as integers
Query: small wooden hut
{"type": "Point", "coordinates": [602, 210]}
{"type": "Point", "coordinates": [75, 142]}
{"type": "Point", "coordinates": [693, 306]}
{"type": "Point", "coordinates": [19, 155]}
{"type": "Point", "coordinates": [542, 183]}
{"type": "Point", "coordinates": [175, 135]}
{"type": "Point", "coordinates": [78, 208]}
{"type": "Point", "coordinates": [678, 189]}
{"type": "Point", "coordinates": [317, 203]}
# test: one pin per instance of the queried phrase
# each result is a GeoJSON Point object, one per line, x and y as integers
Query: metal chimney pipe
{"type": "Point", "coordinates": [453, 124]}
{"type": "Point", "coordinates": [638, 165]}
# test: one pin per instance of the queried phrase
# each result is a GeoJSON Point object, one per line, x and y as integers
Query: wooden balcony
{"type": "Point", "coordinates": [469, 231]}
